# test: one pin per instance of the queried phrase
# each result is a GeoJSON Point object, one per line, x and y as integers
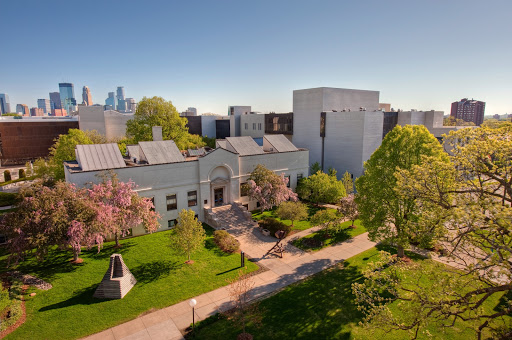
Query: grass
{"type": "Point", "coordinates": [322, 307]}
{"type": "Point", "coordinates": [68, 310]}
{"type": "Point", "coordinates": [297, 225]}
{"type": "Point", "coordinates": [320, 240]}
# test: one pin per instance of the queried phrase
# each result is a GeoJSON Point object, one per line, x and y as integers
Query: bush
{"type": "Point", "coordinates": [273, 225]}
{"type": "Point", "coordinates": [21, 173]}
{"type": "Point", "coordinates": [225, 241]}
{"type": "Point", "coordinates": [7, 176]}
{"type": "Point", "coordinates": [7, 198]}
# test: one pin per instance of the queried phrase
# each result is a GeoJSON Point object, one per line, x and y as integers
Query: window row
{"type": "Point", "coordinates": [172, 223]}
{"type": "Point", "coordinates": [172, 200]}
{"type": "Point", "coordinates": [246, 126]}
{"type": "Point", "coordinates": [244, 187]}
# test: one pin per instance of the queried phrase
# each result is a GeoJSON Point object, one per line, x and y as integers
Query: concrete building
{"type": "Point", "coordinates": [45, 105]}
{"type": "Point", "coordinates": [27, 138]}
{"type": "Point", "coordinates": [86, 96]}
{"type": "Point", "coordinates": [55, 102]}
{"type": "Point", "coordinates": [252, 125]}
{"type": "Point", "coordinates": [67, 96]}
{"type": "Point", "coordinates": [109, 123]}
{"type": "Point", "coordinates": [340, 127]}
{"type": "Point", "coordinates": [385, 107]}
{"type": "Point", "coordinates": [469, 111]}
{"type": "Point", "coordinates": [200, 183]}
{"type": "Point", "coordinates": [190, 112]}
{"type": "Point", "coordinates": [22, 109]}
{"type": "Point", "coordinates": [237, 111]}
{"type": "Point", "coordinates": [131, 105]}
{"type": "Point", "coordinates": [279, 123]}
{"type": "Point", "coordinates": [36, 112]}
{"type": "Point", "coordinates": [5, 104]}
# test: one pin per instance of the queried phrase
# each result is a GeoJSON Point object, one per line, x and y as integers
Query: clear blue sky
{"type": "Point", "coordinates": [212, 54]}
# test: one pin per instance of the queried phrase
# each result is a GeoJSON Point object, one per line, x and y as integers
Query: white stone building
{"type": "Point", "coordinates": [199, 183]}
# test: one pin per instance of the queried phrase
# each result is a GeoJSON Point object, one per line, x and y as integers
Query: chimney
{"type": "Point", "coordinates": [157, 133]}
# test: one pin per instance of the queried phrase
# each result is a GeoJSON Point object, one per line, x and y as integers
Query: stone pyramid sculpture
{"type": "Point", "coordinates": [118, 280]}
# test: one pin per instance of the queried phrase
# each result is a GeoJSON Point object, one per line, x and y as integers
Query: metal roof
{"type": "Point", "coordinates": [245, 146]}
{"type": "Point", "coordinates": [161, 152]}
{"type": "Point", "coordinates": [280, 143]}
{"type": "Point", "coordinates": [133, 151]}
{"type": "Point", "coordinates": [196, 152]}
{"type": "Point", "coordinates": [221, 143]}
{"type": "Point", "coordinates": [99, 157]}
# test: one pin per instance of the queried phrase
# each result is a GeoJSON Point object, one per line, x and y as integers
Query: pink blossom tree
{"type": "Point", "coordinates": [62, 216]}
{"type": "Point", "coordinates": [268, 188]}
{"type": "Point", "coordinates": [348, 207]}
{"type": "Point", "coordinates": [123, 208]}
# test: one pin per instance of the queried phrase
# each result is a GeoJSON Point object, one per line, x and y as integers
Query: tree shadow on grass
{"type": "Point", "coordinates": [107, 251]}
{"type": "Point", "coordinates": [81, 297]}
{"type": "Point", "coordinates": [155, 270]}
{"type": "Point", "coordinates": [211, 246]}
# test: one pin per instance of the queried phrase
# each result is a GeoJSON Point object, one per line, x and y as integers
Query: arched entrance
{"type": "Point", "coordinates": [220, 183]}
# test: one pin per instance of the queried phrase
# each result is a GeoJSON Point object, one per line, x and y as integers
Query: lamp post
{"type": "Point", "coordinates": [192, 304]}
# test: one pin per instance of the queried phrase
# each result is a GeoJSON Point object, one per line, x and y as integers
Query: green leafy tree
{"type": "Point", "coordinates": [386, 213]}
{"type": "Point", "coordinates": [322, 187]}
{"type": "Point", "coordinates": [209, 141]}
{"type": "Point", "coordinates": [329, 218]}
{"type": "Point", "coordinates": [470, 198]}
{"type": "Point", "coordinates": [452, 121]}
{"type": "Point", "coordinates": [157, 111]}
{"type": "Point", "coordinates": [189, 234]}
{"type": "Point", "coordinates": [314, 168]}
{"type": "Point", "coordinates": [348, 183]}
{"type": "Point", "coordinates": [293, 211]}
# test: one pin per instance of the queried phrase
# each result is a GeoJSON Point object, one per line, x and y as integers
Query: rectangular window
{"type": "Point", "coordinates": [259, 126]}
{"type": "Point", "coordinates": [254, 126]}
{"type": "Point", "coordinates": [288, 184]}
{"type": "Point", "coordinates": [153, 201]}
{"type": "Point", "coordinates": [299, 177]}
{"type": "Point", "coordinates": [172, 223]}
{"type": "Point", "coordinates": [192, 198]}
{"type": "Point", "coordinates": [172, 203]}
{"type": "Point", "coordinates": [244, 189]}
{"type": "Point", "coordinates": [246, 126]}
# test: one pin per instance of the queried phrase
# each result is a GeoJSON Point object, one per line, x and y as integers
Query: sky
{"type": "Point", "coordinates": [420, 54]}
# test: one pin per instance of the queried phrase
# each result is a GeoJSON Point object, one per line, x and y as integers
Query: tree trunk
{"type": "Point", "coordinates": [400, 251]}
{"type": "Point", "coordinates": [75, 256]}
{"type": "Point", "coordinates": [117, 239]}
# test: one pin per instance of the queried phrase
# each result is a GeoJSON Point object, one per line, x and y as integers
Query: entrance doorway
{"type": "Point", "coordinates": [218, 195]}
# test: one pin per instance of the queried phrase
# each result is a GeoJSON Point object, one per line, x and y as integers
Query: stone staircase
{"type": "Point", "coordinates": [233, 217]}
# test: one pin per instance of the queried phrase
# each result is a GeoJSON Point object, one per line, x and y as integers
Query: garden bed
{"type": "Point", "coordinates": [297, 225]}
{"type": "Point", "coordinates": [323, 238]}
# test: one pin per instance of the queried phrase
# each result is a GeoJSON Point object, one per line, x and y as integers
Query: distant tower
{"type": "Point", "coordinates": [110, 102]}
{"type": "Point", "coordinates": [121, 102]}
{"type": "Point", "coordinates": [23, 109]}
{"type": "Point", "coordinates": [131, 105]}
{"type": "Point", "coordinates": [45, 105]}
{"type": "Point", "coordinates": [55, 103]}
{"type": "Point", "coordinates": [86, 96]}
{"type": "Point", "coordinates": [469, 111]}
{"type": "Point", "coordinates": [67, 96]}
{"type": "Point", "coordinates": [5, 104]}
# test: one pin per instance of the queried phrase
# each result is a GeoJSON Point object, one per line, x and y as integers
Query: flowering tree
{"type": "Point", "coordinates": [348, 208]}
{"type": "Point", "coordinates": [62, 216]}
{"type": "Point", "coordinates": [268, 188]}
{"type": "Point", "coordinates": [123, 208]}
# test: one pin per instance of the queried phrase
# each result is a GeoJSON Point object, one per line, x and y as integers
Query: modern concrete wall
{"type": "Point", "coordinates": [208, 126]}
{"type": "Point", "coordinates": [92, 118]}
{"type": "Point", "coordinates": [255, 125]}
{"type": "Point", "coordinates": [115, 124]}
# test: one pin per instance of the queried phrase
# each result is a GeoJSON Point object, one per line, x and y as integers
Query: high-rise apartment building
{"type": "Point", "coordinates": [45, 105]}
{"type": "Point", "coordinates": [131, 105]}
{"type": "Point", "coordinates": [67, 96]}
{"type": "Point", "coordinates": [23, 109]}
{"type": "Point", "coordinates": [55, 102]}
{"type": "Point", "coordinates": [469, 111]}
{"type": "Point", "coordinates": [121, 100]}
{"type": "Point", "coordinates": [110, 102]}
{"type": "Point", "coordinates": [5, 104]}
{"type": "Point", "coordinates": [36, 112]}
{"type": "Point", "coordinates": [86, 96]}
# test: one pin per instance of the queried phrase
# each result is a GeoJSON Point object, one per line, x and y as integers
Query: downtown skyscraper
{"type": "Point", "coordinates": [5, 104]}
{"type": "Point", "coordinates": [121, 102]}
{"type": "Point", "coordinates": [67, 96]}
{"type": "Point", "coordinates": [86, 96]}
{"type": "Point", "coordinates": [110, 102]}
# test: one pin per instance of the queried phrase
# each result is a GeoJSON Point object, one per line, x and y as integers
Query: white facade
{"type": "Point", "coordinates": [252, 125]}
{"type": "Point", "coordinates": [433, 121]}
{"type": "Point", "coordinates": [215, 178]}
{"type": "Point", "coordinates": [109, 123]}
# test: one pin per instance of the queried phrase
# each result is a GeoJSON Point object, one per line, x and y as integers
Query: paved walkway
{"type": "Point", "coordinates": [296, 265]}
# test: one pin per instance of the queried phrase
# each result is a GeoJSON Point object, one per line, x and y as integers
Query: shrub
{"type": "Point", "coordinates": [21, 173]}
{"type": "Point", "coordinates": [7, 176]}
{"type": "Point", "coordinates": [274, 226]}
{"type": "Point", "coordinates": [225, 241]}
{"type": "Point", "coordinates": [7, 198]}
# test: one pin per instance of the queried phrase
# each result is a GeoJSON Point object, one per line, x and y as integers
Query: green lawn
{"type": "Point", "coordinates": [68, 310]}
{"type": "Point", "coordinates": [297, 225]}
{"type": "Point", "coordinates": [319, 240]}
{"type": "Point", "coordinates": [322, 307]}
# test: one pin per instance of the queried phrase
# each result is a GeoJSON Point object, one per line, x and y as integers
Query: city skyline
{"type": "Point", "coordinates": [409, 52]}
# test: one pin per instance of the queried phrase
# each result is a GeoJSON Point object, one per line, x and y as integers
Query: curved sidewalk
{"type": "Point", "coordinates": [296, 265]}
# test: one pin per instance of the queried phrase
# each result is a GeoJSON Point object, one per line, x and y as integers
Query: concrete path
{"type": "Point", "coordinates": [296, 265]}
